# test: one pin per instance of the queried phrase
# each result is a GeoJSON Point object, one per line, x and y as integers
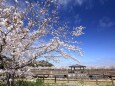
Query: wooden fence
{"type": "Point", "coordinates": [91, 76]}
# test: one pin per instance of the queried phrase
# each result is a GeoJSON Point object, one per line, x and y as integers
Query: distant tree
{"type": "Point", "coordinates": [22, 28]}
{"type": "Point", "coordinates": [41, 63]}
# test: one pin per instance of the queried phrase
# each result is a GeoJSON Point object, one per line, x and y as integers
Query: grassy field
{"type": "Point", "coordinates": [74, 82]}
{"type": "Point", "coordinates": [65, 82]}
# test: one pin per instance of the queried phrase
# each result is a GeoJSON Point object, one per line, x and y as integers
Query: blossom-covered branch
{"type": "Point", "coordinates": [21, 32]}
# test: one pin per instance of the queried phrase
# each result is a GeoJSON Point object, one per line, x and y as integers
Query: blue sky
{"type": "Point", "coordinates": [98, 42]}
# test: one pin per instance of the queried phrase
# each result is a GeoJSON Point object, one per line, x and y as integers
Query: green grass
{"type": "Point", "coordinates": [38, 82]}
{"type": "Point", "coordinates": [49, 82]}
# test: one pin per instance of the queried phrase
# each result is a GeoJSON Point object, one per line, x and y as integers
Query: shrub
{"type": "Point", "coordinates": [38, 82]}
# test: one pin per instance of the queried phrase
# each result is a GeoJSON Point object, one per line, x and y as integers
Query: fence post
{"type": "Point", "coordinates": [97, 81]}
{"type": "Point", "coordinates": [55, 79]}
{"type": "Point", "coordinates": [67, 79]}
{"type": "Point", "coordinates": [112, 81]}
{"type": "Point", "coordinates": [43, 78]}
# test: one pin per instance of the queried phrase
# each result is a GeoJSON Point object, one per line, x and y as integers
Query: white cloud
{"type": "Point", "coordinates": [80, 2]}
{"type": "Point", "coordinates": [65, 2]}
{"type": "Point", "coordinates": [88, 3]}
{"type": "Point", "coordinates": [77, 2]}
{"type": "Point", "coordinates": [105, 22]}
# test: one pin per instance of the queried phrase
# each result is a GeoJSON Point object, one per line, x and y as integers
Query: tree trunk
{"type": "Point", "coordinates": [7, 78]}
{"type": "Point", "coordinates": [10, 79]}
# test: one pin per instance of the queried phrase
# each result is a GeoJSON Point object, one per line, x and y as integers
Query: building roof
{"type": "Point", "coordinates": [77, 65]}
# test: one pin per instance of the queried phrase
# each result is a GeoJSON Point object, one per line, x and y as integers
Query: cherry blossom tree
{"type": "Point", "coordinates": [33, 32]}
